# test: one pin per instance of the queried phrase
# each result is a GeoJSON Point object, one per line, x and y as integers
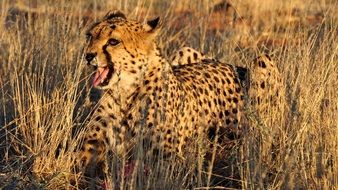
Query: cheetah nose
{"type": "Point", "coordinates": [90, 56]}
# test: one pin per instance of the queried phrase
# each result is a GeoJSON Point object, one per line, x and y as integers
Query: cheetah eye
{"type": "Point", "coordinates": [113, 42]}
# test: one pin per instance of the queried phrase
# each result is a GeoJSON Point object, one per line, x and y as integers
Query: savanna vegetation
{"type": "Point", "coordinates": [45, 98]}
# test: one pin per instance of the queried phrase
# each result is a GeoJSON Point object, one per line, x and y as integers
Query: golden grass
{"type": "Point", "coordinates": [43, 89]}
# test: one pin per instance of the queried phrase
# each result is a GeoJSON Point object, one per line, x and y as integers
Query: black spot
{"type": "Point", "coordinates": [227, 113]}
{"type": "Point", "coordinates": [189, 60]}
{"type": "Point", "coordinates": [211, 87]}
{"type": "Point", "coordinates": [124, 122]}
{"type": "Point", "coordinates": [223, 103]}
{"type": "Point", "coordinates": [195, 56]}
{"type": "Point", "coordinates": [262, 64]}
{"type": "Point", "coordinates": [112, 116]}
{"type": "Point", "coordinates": [133, 62]}
{"type": "Point", "coordinates": [151, 74]}
{"type": "Point", "coordinates": [97, 128]}
{"type": "Point", "coordinates": [200, 90]}
{"type": "Point", "coordinates": [221, 115]}
{"type": "Point", "coordinates": [213, 114]}
{"type": "Point", "coordinates": [263, 85]}
{"type": "Point", "coordinates": [150, 125]}
{"type": "Point", "coordinates": [269, 58]}
{"type": "Point", "coordinates": [227, 121]}
{"type": "Point", "coordinates": [98, 118]}
{"type": "Point", "coordinates": [220, 101]}
{"type": "Point", "coordinates": [195, 95]}
{"type": "Point", "coordinates": [181, 53]}
{"type": "Point", "coordinates": [104, 123]}
{"type": "Point", "coordinates": [235, 100]}
{"type": "Point", "coordinates": [215, 101]}
{"type": "Point", "coordinates": [148, 101]}
{"type": "Point", "coordinates": [130, 116]}
{"type": "Point", "coordinates": [216, 79]}
{"type": "Point", "coordinates": [133, 134]}
{"type": "Point", "coordinates": [230, 91]}
{"type": "Point", "coordinates": [93, 141]}
{"type": "Point", "coordinates": [235, 111]}
{"type": "Point", "coordinates": [207, 75]}
{"type": "Point", "coordinates": [146, 82]}
{"type": "Point", "coordinates": [206, 92]}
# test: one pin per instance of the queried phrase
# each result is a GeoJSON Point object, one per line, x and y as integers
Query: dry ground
{"type": "Point", "coordinates": [43, 89]}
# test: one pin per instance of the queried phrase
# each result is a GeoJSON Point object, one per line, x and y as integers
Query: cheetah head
{"type": "Point", "coordinates": [119, 49]}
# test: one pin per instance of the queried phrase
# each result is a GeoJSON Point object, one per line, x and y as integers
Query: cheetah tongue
{"type": "Point", "coordinates": [100, 76]}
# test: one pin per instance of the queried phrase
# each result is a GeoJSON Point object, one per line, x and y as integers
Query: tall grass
{"type": "Point", "coordinates": [44, 90]}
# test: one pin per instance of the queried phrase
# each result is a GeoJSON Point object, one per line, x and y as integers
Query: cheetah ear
{"type": "Point", "coordinates": [152, 25]}
{"type": "Point", "coordinates": [115, 14]}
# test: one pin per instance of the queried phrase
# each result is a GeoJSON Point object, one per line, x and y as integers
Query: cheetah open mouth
{"type": "Point", "coordinates": [102, 76]}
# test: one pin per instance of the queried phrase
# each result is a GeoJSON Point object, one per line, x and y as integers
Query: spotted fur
{"type": "Point", "coordinates": [147, 100]}
{"type": "Point", "coordinates": [267, 91]}
{"type": "Point", "coordinates": [187, 55]}
{"type": "Point", "coordinates": [262, 81]}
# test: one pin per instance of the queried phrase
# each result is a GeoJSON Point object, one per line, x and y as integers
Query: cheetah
{"type": "Point", "coordinates": [147, 100]}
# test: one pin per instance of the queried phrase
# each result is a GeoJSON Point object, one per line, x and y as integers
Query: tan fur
{"type": "Point", "coordinates": [267, 91]}
{"type": "Point", "coordinates": [147, 99]}
{"type": "Point", "coordinates": [187, 55]}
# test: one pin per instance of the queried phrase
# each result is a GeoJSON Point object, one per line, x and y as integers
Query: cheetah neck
{"type": "Point", "coordinates": [157, 71]}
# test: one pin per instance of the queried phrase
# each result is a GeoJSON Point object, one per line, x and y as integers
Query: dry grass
{"type": "Point", "coordinates": [43, 85]}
